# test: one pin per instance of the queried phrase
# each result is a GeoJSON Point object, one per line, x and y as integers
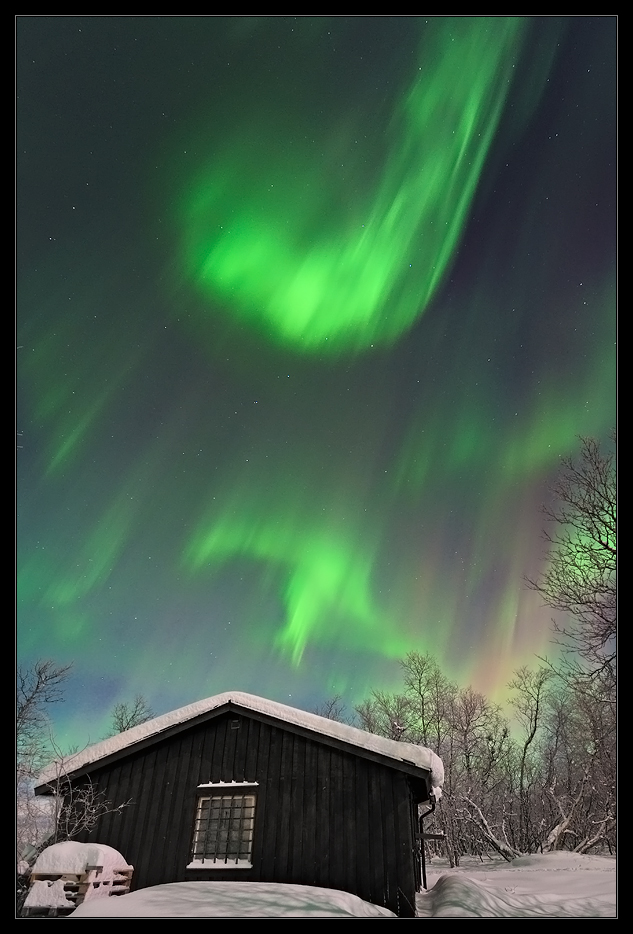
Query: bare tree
{"type": "Point", "coordinates": [65, 812]}
{"type": "Point", "coordinates": [76, 807]}
{"type": "Point", "coordinates": [545, 780]}
{"type": "Point", "coordinates": [431, 696]}
{"type": "Point", "coordinates": [36, 688]}
{"type": "Point", "coordinates": [389, 715]}
{"type": "Point", "coordinates": [530, 703]}
{"type": "Point", "coordinates": [125, 716]}
{"type": "Point", "coordinates": [578, 756]}
{"type": "Point", "coordinates": [68, 810]}
{"type": "Point", "coordinates": [333, 708]}
{"type": "Point", "coordinates": [581, 575]}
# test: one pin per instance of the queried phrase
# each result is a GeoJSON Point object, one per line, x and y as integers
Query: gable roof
{"type": "Point", "coordinates": [399, 753]}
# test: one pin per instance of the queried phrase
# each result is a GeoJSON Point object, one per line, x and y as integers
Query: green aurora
{"type": "Point", "coordinates": [309, 310]}
{"type": "Point", "coordinates": [375, 263]}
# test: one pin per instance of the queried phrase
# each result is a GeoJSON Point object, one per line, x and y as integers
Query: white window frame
{"type": "Point", "coordinates": [223, 826]}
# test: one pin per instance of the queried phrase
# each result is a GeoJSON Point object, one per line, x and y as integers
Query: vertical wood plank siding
{"type": "Point", "coordinates": [323, 816]}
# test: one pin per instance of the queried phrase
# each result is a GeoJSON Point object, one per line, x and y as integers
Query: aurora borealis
{"type": "Point", "coordinates": [309, 309]}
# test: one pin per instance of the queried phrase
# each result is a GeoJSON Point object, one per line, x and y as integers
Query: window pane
{"type": "Point", "coordinates": [223, 829]}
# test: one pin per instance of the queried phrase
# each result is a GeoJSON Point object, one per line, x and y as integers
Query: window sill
{"type": "Point", "coordinates": [219, 864]}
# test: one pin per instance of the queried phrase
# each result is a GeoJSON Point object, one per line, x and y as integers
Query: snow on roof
{"type": "Point", "coordinates": [418, 756]}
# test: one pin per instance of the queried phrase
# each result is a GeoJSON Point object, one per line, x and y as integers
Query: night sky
{"type": "Point", "coordinates": [308, 311]}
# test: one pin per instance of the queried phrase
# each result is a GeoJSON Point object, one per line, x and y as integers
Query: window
{"type": "Point", "coordinates": [223, 831]}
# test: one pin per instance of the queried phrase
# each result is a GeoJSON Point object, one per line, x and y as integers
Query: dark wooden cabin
{"type": "Point", "coordinates": [239, 788]}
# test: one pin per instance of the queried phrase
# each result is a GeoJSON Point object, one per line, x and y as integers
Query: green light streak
{"type": "Point", "coordinates": [74, 372]}
{"type": "Point", "coordinates": [75, 431]}
{"type": "Point", "coordinates": [325, 569]}
{"type": "Point", "coordinates": [548, 425]}
{"type": "Point", "coordinates": [97, 557]}
{"type": "Point", "coordinates": [343, 290]}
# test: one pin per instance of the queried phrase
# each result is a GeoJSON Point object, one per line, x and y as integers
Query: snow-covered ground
{"type": "Point", "coordinates": [556, 885]}
{"type": "Point", "coordinates": [552, 885]}
{"type": "Point", "coordinates": [231, 900]}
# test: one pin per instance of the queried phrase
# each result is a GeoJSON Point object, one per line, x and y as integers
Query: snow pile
{"type": "Point", "coordinates": [43, 894]}
{"type": "Point", "coordinates": [72, 857]}
{"type": "Point", "coordinates": [552, 885]}
{"type": "Point", "coordinates": [232, 900]}
{"type": "Point", "coordinates": [419, 756]}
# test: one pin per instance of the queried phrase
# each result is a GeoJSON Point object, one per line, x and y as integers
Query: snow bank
{"type": "Point", "coordinates": [552, 885]}
{"type": "Point", "coordinates": [453, 897]}
{"type": "Point", "coordinates": [419, 756]}
{"type": "Point", "coordinates": [232, 900]}
{"type": "Point", "coordinates": [73, 857]}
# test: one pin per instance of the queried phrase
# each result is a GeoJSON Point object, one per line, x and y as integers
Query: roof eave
{"type": "Point", "coordinates": [402, 765]}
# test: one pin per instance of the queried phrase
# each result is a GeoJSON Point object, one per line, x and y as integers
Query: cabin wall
{"type": "Point", "coordinates": [323, 816]}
